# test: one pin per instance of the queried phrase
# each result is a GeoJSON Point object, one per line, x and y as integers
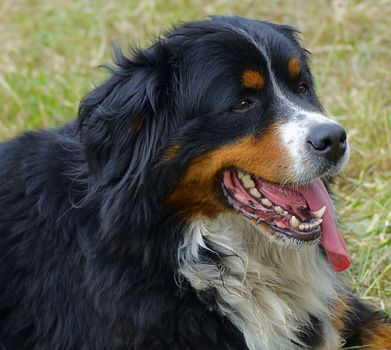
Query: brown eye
{"type": "Point", "coordinates": [244, 105]}
{"type": "Point", "coordinates": [303, 88]}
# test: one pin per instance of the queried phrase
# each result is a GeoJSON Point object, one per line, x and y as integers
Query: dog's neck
{"type": "Point", "coordinates": [268, 290]}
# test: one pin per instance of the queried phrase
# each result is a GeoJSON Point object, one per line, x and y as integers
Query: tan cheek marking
{"type": "Point", "coordinates": [252, 79]}
{"type": "Point", "coordinates": [294, 67]}
{"type": "Point", "coordinates": [197, 192]}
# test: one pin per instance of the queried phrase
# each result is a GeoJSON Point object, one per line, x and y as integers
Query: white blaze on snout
{"type": "Point", "coordinates": [294, 135]}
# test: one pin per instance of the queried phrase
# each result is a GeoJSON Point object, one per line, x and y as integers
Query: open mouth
{"type": "Point", "coordinates": [285, 210]}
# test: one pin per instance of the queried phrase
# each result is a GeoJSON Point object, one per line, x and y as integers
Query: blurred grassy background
{"type": "Point", "coordinates": [49, 51]}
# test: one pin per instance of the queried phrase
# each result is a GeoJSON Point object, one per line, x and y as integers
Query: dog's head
{"type": "Point", "coordinates": [218, 116]}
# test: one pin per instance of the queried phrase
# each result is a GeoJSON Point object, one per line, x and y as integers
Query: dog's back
{"type": "Point", "coordinates": [42, 291]}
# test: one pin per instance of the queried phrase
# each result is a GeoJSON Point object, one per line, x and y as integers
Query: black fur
{"type": "Point", "coordinates": [88, 251]}
{"type": "Point", "coordinates": [358, 319]}
{"type": "Point", "coordinates": [312, 335]}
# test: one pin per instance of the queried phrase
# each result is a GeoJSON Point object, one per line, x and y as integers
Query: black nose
{"type": "Point", "coordinates": [328, 140]}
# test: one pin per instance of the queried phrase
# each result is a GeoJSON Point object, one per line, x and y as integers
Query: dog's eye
{"type": "Point", "coordinates": [303, 88]}
{"type": "Point", "coordinates": [244, 105]}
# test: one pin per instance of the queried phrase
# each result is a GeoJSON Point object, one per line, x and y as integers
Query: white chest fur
{"type": "Point", "coordinates": [266, 289]}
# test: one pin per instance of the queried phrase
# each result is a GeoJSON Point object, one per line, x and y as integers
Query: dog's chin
{"type": "Point", "coordinates": [278, 211]}
{"type": "Point", "coordinates": [279, 236]}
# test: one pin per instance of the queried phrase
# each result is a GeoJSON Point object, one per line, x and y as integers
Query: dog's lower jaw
{"type": "Point", "coordinates": [269, 291]}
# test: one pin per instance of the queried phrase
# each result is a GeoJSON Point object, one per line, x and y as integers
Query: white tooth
{"type": "Point", "coordinates": [319, 213]}
{"type": "Point", "coordinates": [285, 212]}
{"type": "Point", "coordinates": [301, 227]}
{"type": "Point", "coordinates": [278, 209]}
{"type": "Point", "coordinates": [317, 222]}
{"type": "Point", "coordinates": [294, 221]}
{"type": "Point", "coordinates": [266, 202]}
{"type": "Point", "coordinates": [255, 193]}
{"type": "Point", "coordinates": [247, 181]}
{"type": "Point", "coordinates": [240, 174]}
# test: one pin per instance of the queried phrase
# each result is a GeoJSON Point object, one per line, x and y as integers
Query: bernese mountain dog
{"type": "Point", "coordinates": [185, 208]}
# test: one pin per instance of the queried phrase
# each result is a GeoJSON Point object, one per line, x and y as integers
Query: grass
{"type": "Point", "coordinates": [49, 51]}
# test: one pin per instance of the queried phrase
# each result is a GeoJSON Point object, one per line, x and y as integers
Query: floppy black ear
{"type": "Point", "coordinates": [119, 121]}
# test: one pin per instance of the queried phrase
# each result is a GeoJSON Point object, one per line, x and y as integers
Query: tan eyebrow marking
{"type": "Point", "coordinates": [252, 79]}
{"type": "Point", "coordinates": [294, 67]}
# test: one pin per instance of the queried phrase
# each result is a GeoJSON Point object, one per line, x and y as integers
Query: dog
{"type": "Point", "coordinates": [185, 208]}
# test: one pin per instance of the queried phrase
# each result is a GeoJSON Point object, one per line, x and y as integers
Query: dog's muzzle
{"type": "Point", "coordinates": [328, 141]}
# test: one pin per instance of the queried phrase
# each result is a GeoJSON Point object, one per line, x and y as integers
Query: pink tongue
{"type": "Point", "coordinates": [281, 195]}
{"type": "Point", "coordinates": [316, 196]}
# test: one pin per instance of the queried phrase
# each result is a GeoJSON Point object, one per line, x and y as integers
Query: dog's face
{"type": "Point", "coordinates": [237, 121]}
{"type": "Point", "coordinates": [257, 129]}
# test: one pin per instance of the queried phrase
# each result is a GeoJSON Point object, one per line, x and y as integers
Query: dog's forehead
{"type": "Point", "coordinates": [239, 45]}
{"type": "Point", "coordinates": [262, 38]}
{"type": "Point", "coordinates": [222, 56]}
{"type": "Point", "coordinates": [276, 42]}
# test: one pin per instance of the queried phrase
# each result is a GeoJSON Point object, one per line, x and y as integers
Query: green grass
{"type": "Point", "coordinates": [49, 51]}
